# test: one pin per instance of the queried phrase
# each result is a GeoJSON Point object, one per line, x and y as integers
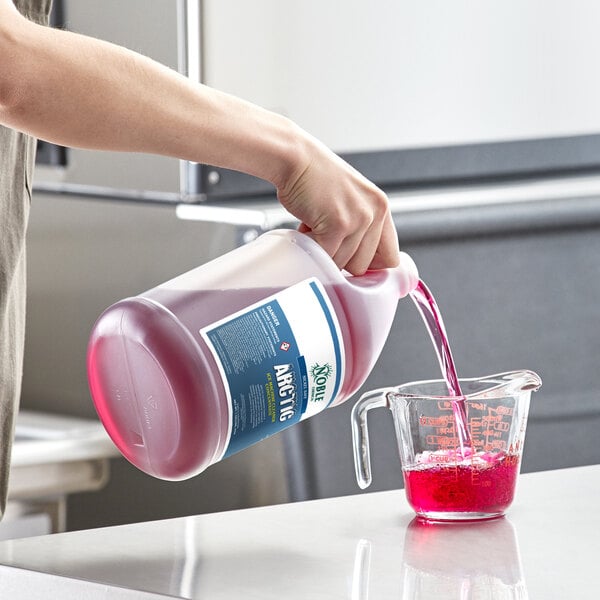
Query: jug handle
{"type": "Point", "coordinates": [360, 433]}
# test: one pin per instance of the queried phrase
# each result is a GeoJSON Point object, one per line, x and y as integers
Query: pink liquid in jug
{"type": "Point", "coordinates": [179, 421]}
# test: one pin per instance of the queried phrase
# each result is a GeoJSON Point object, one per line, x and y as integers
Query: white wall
{"type": "Point", "coordinates": [398, 74]}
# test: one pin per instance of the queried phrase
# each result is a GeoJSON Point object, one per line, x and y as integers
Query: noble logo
{"type": "Point", "coordinates": [320, 375]}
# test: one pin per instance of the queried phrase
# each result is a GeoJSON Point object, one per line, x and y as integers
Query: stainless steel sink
{"type": "Point", "coordinates": [53, 456]}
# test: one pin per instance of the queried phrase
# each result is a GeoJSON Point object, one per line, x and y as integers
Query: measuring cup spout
{"type": "Point", "coordinates": [512, 382]}
{"type": "Point", "coordinates": [360, 433]}
{"type": "Point", "coordinates": [529, 381]}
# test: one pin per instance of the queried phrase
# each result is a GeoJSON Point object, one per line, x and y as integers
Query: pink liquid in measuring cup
{"type": "Point", "coordinates": [481, 486]}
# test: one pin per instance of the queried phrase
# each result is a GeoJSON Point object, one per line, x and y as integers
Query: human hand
{"type": "Point", "coordinates": [341, 210]}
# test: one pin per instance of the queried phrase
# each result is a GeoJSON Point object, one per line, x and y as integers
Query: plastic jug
{"type": "Point", "coordinates": [233, 351]}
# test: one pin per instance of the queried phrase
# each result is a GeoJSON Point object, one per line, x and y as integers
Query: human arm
{"type": "Point", "coordinates": [82, 92]}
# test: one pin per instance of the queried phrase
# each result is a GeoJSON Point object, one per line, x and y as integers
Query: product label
{"type": "Point", "coordinates": [281, 361]}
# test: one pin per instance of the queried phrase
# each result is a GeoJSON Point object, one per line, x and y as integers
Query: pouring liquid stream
{"type": "Point", "coordinates": [428, 308]}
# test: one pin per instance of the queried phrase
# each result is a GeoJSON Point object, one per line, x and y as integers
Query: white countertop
{"type": "Point", "coordinates": [363, 547]}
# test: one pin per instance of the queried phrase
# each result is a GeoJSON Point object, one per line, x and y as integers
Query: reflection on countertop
{"type": "Point", "coordinates": [439, 561]}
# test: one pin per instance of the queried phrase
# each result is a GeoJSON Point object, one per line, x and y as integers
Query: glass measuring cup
{"type": "Point", "coordinates": [443, 480]}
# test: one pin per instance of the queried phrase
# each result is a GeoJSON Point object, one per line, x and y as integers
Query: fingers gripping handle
{"type": "Point", "coordinates": [360, 433]}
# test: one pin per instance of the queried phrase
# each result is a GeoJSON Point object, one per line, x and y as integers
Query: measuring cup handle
{"type": "Point", "coordinates": [360, 433]}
